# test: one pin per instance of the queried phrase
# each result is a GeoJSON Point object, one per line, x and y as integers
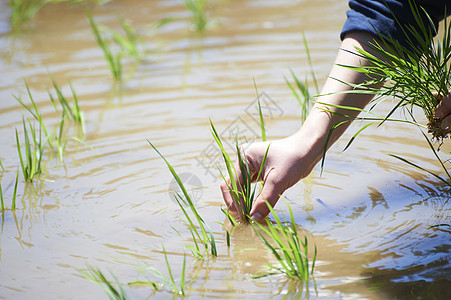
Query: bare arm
{"type": "Point", "coordinates": [293, 158]}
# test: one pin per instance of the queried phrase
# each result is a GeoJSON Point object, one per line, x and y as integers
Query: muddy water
{"type": "Point", "coordinates": [109, 204]}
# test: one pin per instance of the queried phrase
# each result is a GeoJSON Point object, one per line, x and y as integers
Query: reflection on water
{"type": "Point", "coordinates": [110, 204]}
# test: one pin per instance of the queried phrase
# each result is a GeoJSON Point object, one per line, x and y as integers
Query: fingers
{"type": "Point", "coordinates": [446, 123]}
{"type": "Point", "coordinates": [270, 192]}
{"type": "Point", "coordinates": [444, 107]}
{"type": "Point", "coordinates": [227, 193]}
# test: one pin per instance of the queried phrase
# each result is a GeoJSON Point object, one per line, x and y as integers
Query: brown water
{"type": "Point", "coordinates": [109, 204]}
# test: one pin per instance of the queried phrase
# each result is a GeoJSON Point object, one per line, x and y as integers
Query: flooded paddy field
{"type": "Point", "coordinates": [110, 203]}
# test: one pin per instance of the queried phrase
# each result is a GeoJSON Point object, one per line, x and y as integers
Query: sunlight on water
{"type": "Point", "coordinates": [110, 203]}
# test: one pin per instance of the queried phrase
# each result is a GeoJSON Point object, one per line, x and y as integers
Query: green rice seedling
{"type": "Point", "coordinates": [231, 219]}
{"type": "Point", "coordinates": [1, 166]}
{"type": "Point", "coordinates": [178, 289]}
{"type": "Point", "coordinates": [262, 122]}
{"type": "Point", "coordinates": [13, 202]}
{"type": "Point", "coordinates": [128, 43]}
{"type": "Point", "coordinates": [73, 112]}
{"type": "Point", "coordinates": [59, 140]}
{"type": "Point", "coordinates": [243, 194]}
{"type": "Point", "coordinates": [205, 236]}
{"type": "Point", "coordinates": [96, 276]}
{"type": "Point", "coordinates": [199, 20]}
{"type": "Point", "coordinates": [23, 10]}
{"type": "Point", "coordinates": [113, 60]}
{"type": "Point", "coordinates": [307, 100]}
{"type": "Point", "coordinates": [284, 242]}
{"type": "Point", "coordinates": [33, 110]}
{"type": "Point", "coordinates": [34, 150]}
{"type": "Point", "coordinates": [417, 74]}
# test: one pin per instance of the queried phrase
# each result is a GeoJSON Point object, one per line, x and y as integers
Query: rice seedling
{"type": "Point", "coordinates": [197, 8]}
{"type": "Point", "coordinates": [55, 138]}
{"type": "Point", "coordinates": [113, 60]}
{"type": "Point", "coordinates": [2, 203]}
{"type": "Point", "coordinates": [23, 10]}
{"type": "Point", "coordinates": [307, 100]}
{"type": "Point", "coordinates": [33, 110]}
{"type": "Point", "coordinates": [205, 236]}
{"type": "Point", "coordinates": [34, 150]}
{"type": "Point", "coordinates": [178, 289]}
{"type": "Point", "coordinates": [13, 201]}
{"type": "Point", "coordinates": [243, 193]}
{"type": "Point", "coordinates": [1, 166]}
{"type": "Point", "coordinates": [127, 43]}
{"type": "Point", "coordinates": [59, 141]}
{"type": "Point", "coordinates": [73, 112]}
{"type": "Point", "coordinates": [130, 41]}
{"type": "Point", "coordinates": [284, 242]}
{"type": "Point", "coordinates": [418, 73]}
{"type": "Point", "coordinates": [260, 114]}
{"type": "Point", "coordinates": [96, 276]}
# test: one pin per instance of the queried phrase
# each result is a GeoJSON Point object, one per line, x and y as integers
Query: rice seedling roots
{"type": "Point", "coordinates": [437, 132]}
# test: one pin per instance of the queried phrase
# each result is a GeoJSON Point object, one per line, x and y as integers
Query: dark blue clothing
{"type": "Point", "coordinates": [385, 16]}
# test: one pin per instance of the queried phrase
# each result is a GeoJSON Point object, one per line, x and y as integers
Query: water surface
{"type": "Point", "coordinates": [109, 204]}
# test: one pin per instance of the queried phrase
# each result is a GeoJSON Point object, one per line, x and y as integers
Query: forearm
{"type": "Point", "coordinates": [316, 128]}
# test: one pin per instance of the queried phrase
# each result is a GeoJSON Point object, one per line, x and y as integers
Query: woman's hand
{"type": "Point", "coordinates": [444, 112]}
{"type": "Point", "coordinates": [285, 165]}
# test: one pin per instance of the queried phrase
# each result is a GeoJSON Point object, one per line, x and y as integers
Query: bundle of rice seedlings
{"type": "Point", "coordinates": [417, 73]}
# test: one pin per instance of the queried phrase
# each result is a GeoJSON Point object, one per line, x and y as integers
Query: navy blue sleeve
{"type": "Point", "coordinates": [386, 16]}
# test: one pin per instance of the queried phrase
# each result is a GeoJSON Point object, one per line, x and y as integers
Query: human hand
{"type": "Point", "coordinates": [444, 112]}
{"type": "Point", "coordinates": [285, 165]}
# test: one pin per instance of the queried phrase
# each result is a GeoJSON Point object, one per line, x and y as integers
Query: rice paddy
{"type": "Point", "coordinates": [368, 226]}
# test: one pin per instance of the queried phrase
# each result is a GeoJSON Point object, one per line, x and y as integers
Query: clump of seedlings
{"type": "Point", "coordinates": [55, 138]}
{"type": "Point", "coordinates": [31, 161]}
{"type": "Point", "coordinates": [284, 243]}
{"type": "Point", "coordinates": [205, 237]}
{"type": "Point", "coordinates": [73, 112]}
{"type": "Point", "coordinates": [116, 46]}
{"type": "Point", "coordinates": [243, 193]}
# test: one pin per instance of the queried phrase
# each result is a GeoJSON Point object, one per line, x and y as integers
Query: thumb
{"type": "Point", "coordinates": [271, 193]}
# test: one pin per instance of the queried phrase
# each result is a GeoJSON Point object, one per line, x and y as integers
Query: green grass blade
{"type": "Point", "coordinates": [182, 281]}
{"type": "Point", "coordinates": [13, 204]}
{"type": "Point", "coordinates": [19, 151]}
{"type": "Point", "coordinates": [309, 59]}
{"type": "Point", "coordinates": [262, 122]}
{"type": "Point", "coordinates": [171, 277]}
{"type": "Point", "coordinates": [1, 198]}
{"type": "Point", "coordinates": [356, 134]}
{"type": "Point", "coordinates": [421, 168]}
